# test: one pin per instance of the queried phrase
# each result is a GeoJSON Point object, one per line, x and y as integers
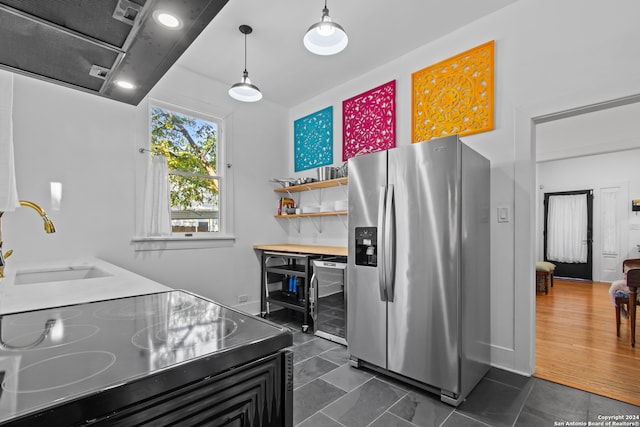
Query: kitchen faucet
{"type": "Point", "coordinates": [48, 228]}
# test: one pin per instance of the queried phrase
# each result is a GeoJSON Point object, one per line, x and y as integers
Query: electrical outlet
{"type": "Point", "coordinates": [242, 298]}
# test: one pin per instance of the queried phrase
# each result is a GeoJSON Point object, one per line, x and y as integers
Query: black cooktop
{"type": "Point", "coordinates": [52, 356]}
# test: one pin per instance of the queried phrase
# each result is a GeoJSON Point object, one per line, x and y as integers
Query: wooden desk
{"type": "Point", "coordinates": [633, 283]}
{"type": "Point", "coordinates": [304, 249]}
{"type": "Point", "coordinates": [291, 261]}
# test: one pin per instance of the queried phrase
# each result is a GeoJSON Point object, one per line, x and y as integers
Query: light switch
{"type": "Point", "coordinates": [503, 214]}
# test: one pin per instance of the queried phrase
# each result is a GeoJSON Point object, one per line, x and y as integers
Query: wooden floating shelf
{"type": "Point", "coordinates": [313, 186]}
{"type": "Point", "coordinates": [310, 215]}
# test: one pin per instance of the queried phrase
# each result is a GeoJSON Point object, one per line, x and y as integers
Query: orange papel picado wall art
{"type": "Point", "coordinates": [454, 96]}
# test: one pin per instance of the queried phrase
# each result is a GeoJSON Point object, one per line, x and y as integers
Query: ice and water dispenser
{"type": "Point", "coordinates": [366, 240]}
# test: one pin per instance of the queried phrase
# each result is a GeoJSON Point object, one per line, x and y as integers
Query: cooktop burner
{"type": "Point", "coordinates": [51, 356]}
{"type": "Point", "coordinates": [171, 337]}
{"type": "Point", "coordinates": [54, 334]}
{"type": "Point", "coordinates": [28, 317]}
{"type": "Point", "coordinates": [59, 371]}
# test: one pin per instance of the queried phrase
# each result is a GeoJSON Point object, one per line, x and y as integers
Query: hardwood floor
{"type": "Point", "coordinates": [576, 342]}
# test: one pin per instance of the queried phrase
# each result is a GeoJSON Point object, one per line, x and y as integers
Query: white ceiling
{"type": "Point", "coordinates": [287, 74]}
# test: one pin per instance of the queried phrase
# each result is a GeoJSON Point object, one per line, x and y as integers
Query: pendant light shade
{"type": "Point", "coordinates": [325, 37]}
{"type": "Point", "coordinates": [245, 91]}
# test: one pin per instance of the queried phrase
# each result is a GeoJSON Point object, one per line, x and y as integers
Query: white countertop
{"type": "Point", "coordinates": [117, 282]}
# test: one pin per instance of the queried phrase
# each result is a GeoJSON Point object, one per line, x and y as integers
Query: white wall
{"type": "Point", "coordinates": [550, 56]}
{"type": "Point", "coordinates": [89, 144]}
{"type": "Point", "coordinates": [619, 169]}
{"type": "Point", "coordinates": [331, 231]}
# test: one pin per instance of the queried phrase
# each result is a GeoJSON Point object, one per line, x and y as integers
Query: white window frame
{"type": "Point", "coordinates": [202, 240]}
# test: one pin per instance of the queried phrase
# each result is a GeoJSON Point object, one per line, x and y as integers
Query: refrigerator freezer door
{"type": "Point", "coordinates": [366, 310]}
{"type": "Point", "coordinates": [423, 318]}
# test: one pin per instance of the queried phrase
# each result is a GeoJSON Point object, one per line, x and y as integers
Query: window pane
{"type": "Point", "coordinates": [190, 145]}
{"type": "Point", "coordinates": [195, 208]}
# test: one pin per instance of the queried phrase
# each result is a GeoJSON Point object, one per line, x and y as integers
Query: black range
{"type": "Point", "coordinates": [163, 358]}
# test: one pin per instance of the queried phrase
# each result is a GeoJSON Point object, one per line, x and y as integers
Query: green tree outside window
{"type": "Point", "coordinates": [190, 145]}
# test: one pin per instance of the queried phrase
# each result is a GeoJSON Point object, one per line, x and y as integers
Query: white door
{"type": "Point", "coordinates": [613, 243]}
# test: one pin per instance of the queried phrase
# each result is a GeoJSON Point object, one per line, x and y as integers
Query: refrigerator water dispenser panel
{"type": "Point", "coordinates": [366, 239]}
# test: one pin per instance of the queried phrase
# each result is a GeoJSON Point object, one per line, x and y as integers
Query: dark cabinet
{"type": "Point", "coordinates": [248, 396]}
{"type": "Point", "coordinates": [258, 394]}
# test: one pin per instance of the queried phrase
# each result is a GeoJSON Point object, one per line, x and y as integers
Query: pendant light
{"type": "Point", "coordinates": [245, 91]}
{"type": "Point", "coordinates": [325, 37]}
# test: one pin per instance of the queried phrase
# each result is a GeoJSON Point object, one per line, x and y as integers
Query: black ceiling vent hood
{"type": "Point", "coordinates": [91, 44]}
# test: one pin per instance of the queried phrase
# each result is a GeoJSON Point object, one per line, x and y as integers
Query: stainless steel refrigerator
{"type": "Point", "coordinates": [418, 265]}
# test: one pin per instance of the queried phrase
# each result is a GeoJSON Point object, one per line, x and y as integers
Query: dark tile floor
{"type": "Point", "coordinates": [328, 392]}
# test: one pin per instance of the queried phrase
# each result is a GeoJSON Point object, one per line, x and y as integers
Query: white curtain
{"type": "Point", "coordinates": [157, 207]}
{"type": "Point", "coordinates": [567, 228]}
{"type": "Point", "coordinates": [8, 190]}
{"type": "Point", "coordinates": [609, 221]}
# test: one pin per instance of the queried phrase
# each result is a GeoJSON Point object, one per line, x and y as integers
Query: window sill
{"type": "Point", "coordinates": [181, 242]}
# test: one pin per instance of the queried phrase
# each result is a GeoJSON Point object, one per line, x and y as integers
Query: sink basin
{"type": "Point", "coordinates": [59, 275]}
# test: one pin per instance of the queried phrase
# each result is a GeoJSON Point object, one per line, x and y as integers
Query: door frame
{"type": "Point", "coordinates": [519, 355]}
{"type": "Point", "coordinates": [589, 263]}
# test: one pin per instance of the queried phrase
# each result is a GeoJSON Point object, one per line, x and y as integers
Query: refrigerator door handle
{"type": "Point", "coordinates": [381, 243]}
{"type": "Point", "coordinates": [390, 244]}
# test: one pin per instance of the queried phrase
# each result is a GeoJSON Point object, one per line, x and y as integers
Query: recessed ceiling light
{"type": "Point", "coordinates": [167, 19]}
{"type": "Point", "coordinates": [125, 84]}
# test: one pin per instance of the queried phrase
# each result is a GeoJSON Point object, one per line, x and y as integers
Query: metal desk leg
{"type": "Point", "coordinates": [264, 306]}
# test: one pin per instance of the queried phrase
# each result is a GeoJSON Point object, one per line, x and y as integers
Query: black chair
{"type": "Point", "coordinates": [620, 301]}
{"type": "Point", "coordinates": [633, 282]}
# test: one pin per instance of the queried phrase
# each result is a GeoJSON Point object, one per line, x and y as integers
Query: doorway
{"type": "Point", "coordinates": [611, 195]}
{"type": "Point", "coordinates": [521, 355]}
{"type": "Point", "coordinates": [568, 233]}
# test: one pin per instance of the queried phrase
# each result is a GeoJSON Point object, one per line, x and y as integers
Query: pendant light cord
{"type": "Point", "coordinates": [245, 53]}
